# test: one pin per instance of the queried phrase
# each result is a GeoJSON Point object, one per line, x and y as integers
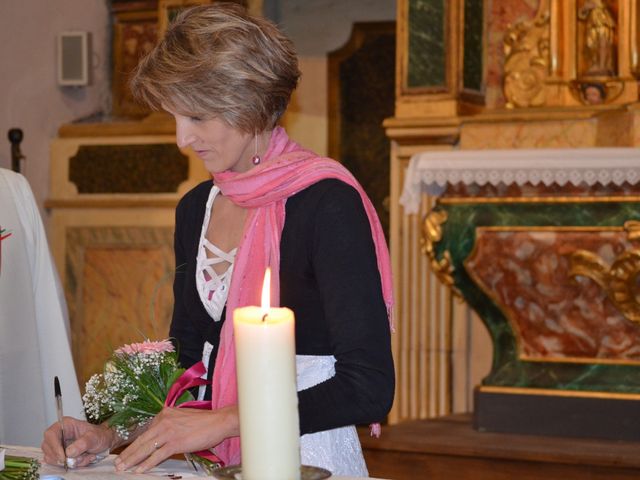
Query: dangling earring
{"type": "Point", "coordinates": [256, 158]}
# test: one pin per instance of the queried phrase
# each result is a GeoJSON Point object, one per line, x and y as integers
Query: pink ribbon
{"type": "Point", "coordinates": [192, 377]}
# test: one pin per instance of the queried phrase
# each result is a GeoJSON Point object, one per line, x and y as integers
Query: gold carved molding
{"type": "Point", "coordinates": [619, 280]}
{"type": "Point", "coordinates": [595, 91]}
{"type": "Point", "coordinates": [526, 66]}
{"type": "Point", "coordinates": [431, 235]}
{"type": "Point", "coordinates": [632, 227]}
{"type": "Point", "coordinates": [558, 393]}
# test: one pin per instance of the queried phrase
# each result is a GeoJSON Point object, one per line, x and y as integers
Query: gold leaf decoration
{"type": "Point", "coordinates": [526, 48]}
{"type": "Point", "coordinates": [620, 281]}
{"type": "Point", "coordinates": [431, 235]}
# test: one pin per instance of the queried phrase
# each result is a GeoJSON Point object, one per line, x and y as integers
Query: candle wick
{"type": "Point", "coordinates": [264, 317]}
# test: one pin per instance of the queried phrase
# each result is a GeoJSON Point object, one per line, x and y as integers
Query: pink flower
{"type": "Point", "coordinates": [146, 347]}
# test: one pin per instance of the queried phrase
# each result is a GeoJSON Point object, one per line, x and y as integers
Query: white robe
{"type": "Point", "coordinates": [34, 337]}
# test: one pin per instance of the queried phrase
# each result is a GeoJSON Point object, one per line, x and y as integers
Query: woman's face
{"type": "Point", "coordinates": [220, 146]}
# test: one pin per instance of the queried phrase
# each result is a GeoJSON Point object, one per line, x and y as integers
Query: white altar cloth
{"type": "Point", "coordinates": [34, 341]}
{"type": "Point", "coordinates": [431, 171]}
{"type": "Point", "coordinates": [105, 470]}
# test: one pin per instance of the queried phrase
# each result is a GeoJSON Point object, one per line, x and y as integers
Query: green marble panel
{"type": "Point", "coordinates": [144, 168]}
{"type": "Point", "coordinates": [427, 44]}
{"type": "Point", "coordinates": [473, 45]}
{"type": "Point", "coordinates": [507, 369]}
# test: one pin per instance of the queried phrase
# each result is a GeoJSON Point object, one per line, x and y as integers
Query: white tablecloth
{"type": "Point", "coordinates": [34, 342]}
{"type": "Point", "coordinates": [105, 469]}
{"type": "Point", "coordinates": [431, 171]}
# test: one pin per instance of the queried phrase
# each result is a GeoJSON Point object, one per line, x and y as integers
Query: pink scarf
{"type": "Point", "coordinates": [286, 169]}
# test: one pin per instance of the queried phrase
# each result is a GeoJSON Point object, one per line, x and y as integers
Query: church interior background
{"type": "Point", "coordinates": [516, 294]}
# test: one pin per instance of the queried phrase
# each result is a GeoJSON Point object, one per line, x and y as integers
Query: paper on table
{"type": "Point", "coordinates": [105, 470]}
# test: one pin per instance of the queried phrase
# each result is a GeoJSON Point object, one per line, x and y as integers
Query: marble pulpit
{"type": "Point", "coordinates": [544, 245]}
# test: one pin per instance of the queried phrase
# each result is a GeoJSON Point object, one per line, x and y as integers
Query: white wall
{"type": "Point", "coordinates": [320, 26]}
{"type": "Point", "coordinates": [29, 96]}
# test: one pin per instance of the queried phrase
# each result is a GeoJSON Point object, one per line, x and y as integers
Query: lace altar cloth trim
{"type": "Point", "coordinates": [432, 171]}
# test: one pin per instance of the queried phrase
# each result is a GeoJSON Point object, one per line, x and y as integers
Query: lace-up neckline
{"type": "Point", "coordinates": [213, 287]}
{"type": "Point", "coordinates": [214, 280]}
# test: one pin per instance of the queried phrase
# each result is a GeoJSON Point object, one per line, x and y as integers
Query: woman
{"type": "Point", "coordinates": [227, 77]}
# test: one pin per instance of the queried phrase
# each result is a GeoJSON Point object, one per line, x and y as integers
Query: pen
{"type": "Point", "coordinates": [58, 392]}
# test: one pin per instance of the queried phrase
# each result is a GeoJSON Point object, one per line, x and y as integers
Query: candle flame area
{"type": "Point", "coordinates": [266, 291]}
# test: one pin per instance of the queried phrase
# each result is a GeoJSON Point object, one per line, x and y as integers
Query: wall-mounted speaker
{"type": "Point", "coordinates": [73, 58]}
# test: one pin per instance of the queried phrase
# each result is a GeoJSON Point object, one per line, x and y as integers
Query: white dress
{"type": "Point", "coordinates": [34, 339]}
{"type": "Point", "coordinates": [337, 450]}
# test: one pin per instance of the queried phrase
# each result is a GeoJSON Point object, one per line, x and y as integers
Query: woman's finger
{"type": "Point", "coordinates": [143, 447]}
{"type": "Point", "coordinates": [158, 454]}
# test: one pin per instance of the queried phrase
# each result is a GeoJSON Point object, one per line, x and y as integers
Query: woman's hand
{"type": "Point", "coordinates": [178, 430]}
{"type": "Point", "coordinates": [84, 441]}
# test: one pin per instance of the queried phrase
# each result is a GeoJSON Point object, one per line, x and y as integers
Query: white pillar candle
{"type": "Point", "coordinates": [267, 397]}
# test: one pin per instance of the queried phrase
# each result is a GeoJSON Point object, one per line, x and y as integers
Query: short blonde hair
{"type": "Point", "coordinates": [218, 61]}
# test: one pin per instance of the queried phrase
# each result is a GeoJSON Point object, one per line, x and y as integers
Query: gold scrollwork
{"type": "Point", "coordinates": [619, 281]}
{"type": "Point", "coordinates": [526, 48]}
{"type": "Point", "coordinates": [431, 235]}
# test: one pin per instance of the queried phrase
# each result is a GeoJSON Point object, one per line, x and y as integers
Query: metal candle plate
{"type": "Point", "coordinates": [234, 472]}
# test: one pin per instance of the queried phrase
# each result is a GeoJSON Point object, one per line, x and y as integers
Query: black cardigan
{"type": "Point", "coordinates": [329, 278]}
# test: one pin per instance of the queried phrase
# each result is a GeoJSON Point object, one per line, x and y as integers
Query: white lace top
{"type": "Point", "coordinates": [213, 288]}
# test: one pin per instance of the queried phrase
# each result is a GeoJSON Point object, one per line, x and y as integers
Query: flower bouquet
{"type": "Point", "coordinates": [134, 386]}
{"type": "Point", "coordinates": [140, 379]}
{"type": "Point", "coordinates": [18, 468]}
